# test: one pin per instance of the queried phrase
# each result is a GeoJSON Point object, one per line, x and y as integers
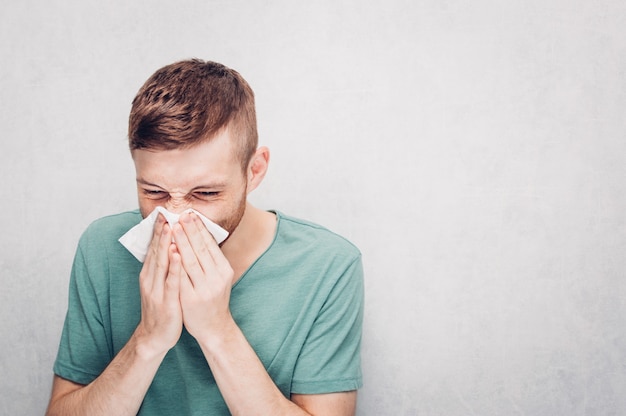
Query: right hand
{"type": "Point", "coordinates": [159, 284]}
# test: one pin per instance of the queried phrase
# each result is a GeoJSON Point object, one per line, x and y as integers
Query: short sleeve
{"type": "Point", "coordinates": [84, 351]}
{"type": "Point", "coordinates": [330, 360]}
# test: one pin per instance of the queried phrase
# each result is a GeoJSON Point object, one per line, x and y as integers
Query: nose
{"type": "Point", "coordinates": [177, 205]}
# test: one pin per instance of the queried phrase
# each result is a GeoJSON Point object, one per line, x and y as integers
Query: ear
{"type": "Point", "coordinates": [257, 168]}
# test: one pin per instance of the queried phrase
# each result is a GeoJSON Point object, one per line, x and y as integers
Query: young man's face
{"type": "Point", "coordinates": [206, 177]}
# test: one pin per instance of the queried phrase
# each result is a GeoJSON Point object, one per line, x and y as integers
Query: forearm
{"type": "Point", "coordinates": [119, 390]}
{"type": "Point", "coordinates": [241, 377]}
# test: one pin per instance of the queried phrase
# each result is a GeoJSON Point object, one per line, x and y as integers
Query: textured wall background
{"type": "Point", "coordinates": [474, 151]}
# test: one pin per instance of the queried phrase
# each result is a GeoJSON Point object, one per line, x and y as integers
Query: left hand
{"type": "Point", "coordinates": [206, 279]}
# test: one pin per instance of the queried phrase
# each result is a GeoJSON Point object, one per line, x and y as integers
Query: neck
{"type": "Point", "coordinates": [250, 239]}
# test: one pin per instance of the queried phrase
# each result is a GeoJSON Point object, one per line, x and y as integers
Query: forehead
{"type": "Point", "coordinates": [211, 161]}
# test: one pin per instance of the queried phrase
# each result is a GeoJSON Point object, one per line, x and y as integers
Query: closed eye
{"type": "Point", "coordinates": [154, 193]}
{"type": "Point", "coordinates": [205, 194]}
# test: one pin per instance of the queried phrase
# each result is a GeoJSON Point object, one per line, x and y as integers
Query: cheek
{"type": "Point", "coordinates": [214, 212]}
{"type": "Point", "coordinates": [220, 212]}
{"type": "Point", "coordinates": [146, 206]}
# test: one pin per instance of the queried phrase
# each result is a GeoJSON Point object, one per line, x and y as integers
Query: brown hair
{"type": "Point", "coordinates": [190, 101]}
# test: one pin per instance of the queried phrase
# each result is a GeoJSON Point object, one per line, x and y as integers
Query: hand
{"type": "Point", "coordinates": [206, 279]}
{"type": "Point", "coordinates": [159, 283]}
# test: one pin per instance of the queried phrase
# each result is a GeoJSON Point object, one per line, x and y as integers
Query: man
{"type": "Point", "coordinates": [268, 323]}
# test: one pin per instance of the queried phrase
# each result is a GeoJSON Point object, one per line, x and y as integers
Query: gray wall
{"type": "Point", "coordinates": [474, 151]}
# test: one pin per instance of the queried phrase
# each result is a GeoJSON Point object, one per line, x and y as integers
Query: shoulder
{"type": "Point", "coordinates": [99, 252]}
{"type": "Point", "coordinates": [109, 229]}
{"type": "Point", "coordinates": [314, 237]}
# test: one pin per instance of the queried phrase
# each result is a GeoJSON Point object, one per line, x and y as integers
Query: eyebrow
{"type": "Point", "coordinates": [209, 186]}
{"type": "Point", "coordinates": [144, 182]}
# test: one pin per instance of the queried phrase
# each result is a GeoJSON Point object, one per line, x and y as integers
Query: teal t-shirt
{"type": "Point", "coordinates": [300, 306]}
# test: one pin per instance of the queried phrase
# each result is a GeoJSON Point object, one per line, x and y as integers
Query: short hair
{"type": "Point", "coordinates": [190, 101]}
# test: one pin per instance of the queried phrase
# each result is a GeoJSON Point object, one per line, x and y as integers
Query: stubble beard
{"type": "Point", "coordinates": [231, 223]}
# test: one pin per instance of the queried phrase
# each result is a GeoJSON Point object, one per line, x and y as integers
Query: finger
{"type": "Point", "coordinates": [220, 261]}
{"type": "Point", "coordinates": [156, 236]}
{"type": "Point", "coordinates": [200, 239]}
{"type": "Point", "coordinates": [186, 285]}
{"type": "Point", "coordinates": [174, 275]}
{"type": "Point", "coordinates": [150, 262]}
{"type": "Point", "coordinates": [224, 272]}
{"type": "Point", "coordinates": [161, 261]}
{"type": "Point", "coordinates": [188, 256]}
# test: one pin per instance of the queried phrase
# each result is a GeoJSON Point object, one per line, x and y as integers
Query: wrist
{"type": "Point", "coordinates": [216, 340]}
{"type": "Point", "coordinates": [146, 347]}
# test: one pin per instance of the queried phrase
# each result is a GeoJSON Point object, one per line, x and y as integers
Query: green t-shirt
{"type": "Point", "coordinates": [300, 306]}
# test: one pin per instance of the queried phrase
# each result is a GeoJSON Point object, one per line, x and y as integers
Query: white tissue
{"type": "Point", "coordinates": [137, 239]}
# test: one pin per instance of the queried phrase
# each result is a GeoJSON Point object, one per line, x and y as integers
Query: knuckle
{"type": "Point", "coordinates": [170, 282]}
{"type": "Point", "coordinates": [194, 264]}
{"type": "Point", "coordinates": [204, 251]}
{"type": "Point", "coordinates": [161, 263]}
{"type": "Point", "coordinates": [143, 279]}
{"type": "Point", "coordinates": [226, 271]}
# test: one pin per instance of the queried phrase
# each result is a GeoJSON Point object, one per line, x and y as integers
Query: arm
{"type": "Point", "coordinates": [119, 390]}
{"type": "Point", "coordinates": [249, 390]}
{"type": "Point", "coordinates": [121, 387]}
{"type": "Point", "coordinates": [343, 403]}
{"type": "Point", "coordinates": [206, 279]}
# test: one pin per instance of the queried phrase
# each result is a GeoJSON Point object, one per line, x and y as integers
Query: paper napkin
{"type": "Point", "coordinates": [137, 239]}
